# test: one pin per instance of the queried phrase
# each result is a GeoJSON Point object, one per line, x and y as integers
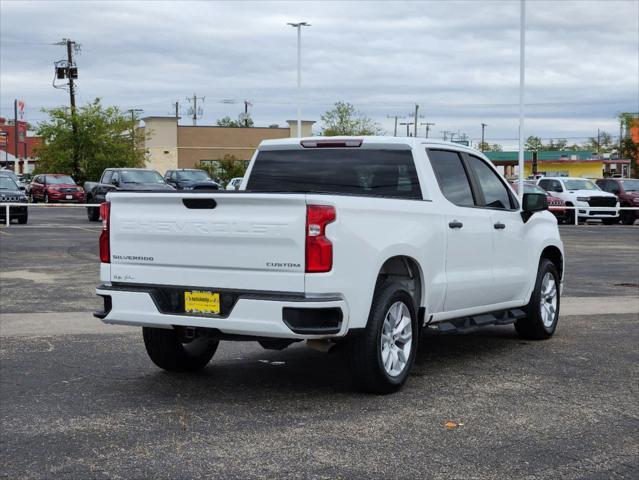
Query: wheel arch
{"type": "Point", "coordinates": [403, 269]}
{"type": "Point", "coordinates": [554, 254]}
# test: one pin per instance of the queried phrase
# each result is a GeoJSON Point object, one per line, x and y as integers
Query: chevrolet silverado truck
{"type": "Point", "coordinates": [123, 180]}
{"type": "Point", "coordinates": [359, 243]}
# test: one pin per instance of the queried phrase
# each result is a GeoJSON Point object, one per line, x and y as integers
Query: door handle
{"type": "Point", "coordinates": [499, 226]}
{"type": "Point", "coordinates": [455, 224]}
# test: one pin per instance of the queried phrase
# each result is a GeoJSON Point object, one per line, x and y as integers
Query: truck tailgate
{"type": "Point", "coordinates": [216, 240]}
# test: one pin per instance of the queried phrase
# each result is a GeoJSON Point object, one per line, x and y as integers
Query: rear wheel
{"type": "Point", "coordinates": [93, 213]}
{"type": "Point", "coordinates": [542, 312]}
{"type": "Point", "coordinates": [382, 356]}
{"type": "Point", "coordinates": [169, 350]}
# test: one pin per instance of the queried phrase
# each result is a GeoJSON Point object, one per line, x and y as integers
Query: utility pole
{"type": "Point", "coordinates": [416, 110]}
{"type": "Point", "coordinates": [74, 123]}
{"type": "Point", "coordinates": [394, 117]}
{"type": "Point", "coordinates": [194, 110]}
{"type": "Point", "coordinates": [598, 142]}
{"type": "Point", "coordinates": [483, 126]}
{"type": "Point", "coordinates": [176, 105]}
{"type": "Point", "coordinates": [445, 134]}
{"type": "Point", "coordinates": [246, 115]}
{"type": "Point", "coordinates": [408, 124]}
{"type": "Point", "coordinates": [428, 125]}
{"type": "Point", "coordinates": [133, 112]}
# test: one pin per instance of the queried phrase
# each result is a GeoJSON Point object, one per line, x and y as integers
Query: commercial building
{"type": "Point", "coordinates": [170, 145]}
{"type": "Point", "coordinates": [26, 157]}
{"type": "Point", "coordinates": [570, 163]}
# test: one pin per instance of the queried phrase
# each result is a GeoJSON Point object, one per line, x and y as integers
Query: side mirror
{"type": "Point", "coordinates": [22, 187]}
{"type": "Point", "coordinates": [532, 203]}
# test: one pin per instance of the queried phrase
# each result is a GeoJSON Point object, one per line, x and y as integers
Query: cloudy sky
{"type": "Point", "coordinates": [459, 60]}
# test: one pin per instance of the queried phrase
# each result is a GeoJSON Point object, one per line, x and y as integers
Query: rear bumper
{"type": "Point", "coordinates": [294, 318]}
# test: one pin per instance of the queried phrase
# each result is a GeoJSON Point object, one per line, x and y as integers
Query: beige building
{"type": "Point", "coordinates": [170, 145]}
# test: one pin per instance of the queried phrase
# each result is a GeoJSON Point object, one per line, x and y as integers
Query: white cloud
{"type": "Point", "coordinates": [458, 60]}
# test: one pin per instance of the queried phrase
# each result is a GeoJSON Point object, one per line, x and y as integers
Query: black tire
{"type": "Point", "coordinates": [93, 213]}
{"type": "Point", "coordinates": [23, 219]}
{"type": "Point", "coordinates": [570, 217]}
{"type": "Point", "coordinates": [365, 350]}
{"type": "Point", "coordinates": [610, 221]}
{"type": "Point", "coordinates": [532, 327]}
{"type": "Point", "coordinates": [167, 350]}
{"type": "Point", "coordinates": [628, 216]}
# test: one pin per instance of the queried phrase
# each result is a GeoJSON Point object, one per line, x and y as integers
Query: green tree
{"type": "Point", "coordinates": [533, 143]}
{"type": "Point", "coordinates": [229, 167]}
{"type": "Point", "coordinates": [602, 143]}
{"type": "Point", "coordinates": [345, 119]}
{"type": "Point", "coordinates": [243, 121]}
{"type": "Point", "coordinates": [487, 147]}
{"type": "Point", "coordinates": [105, 138]}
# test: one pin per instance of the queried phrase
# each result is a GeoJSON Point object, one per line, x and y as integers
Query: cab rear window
{"type": "Point", "coordinates": [364, 172]}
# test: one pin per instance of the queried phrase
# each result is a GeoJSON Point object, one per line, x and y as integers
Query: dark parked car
{"type": "Point", "coordinates": [627, 190]}
{"type": "Point", "coordinates": [190, 179]}
{"type": "Point", "coordinates": [9, 173]}
{"type": "Point", "coordinates": [11, 193]}
{"type": "Point", "coordinates": [54, 188]}
{"type": "Point", "coordinates": [123, 180]}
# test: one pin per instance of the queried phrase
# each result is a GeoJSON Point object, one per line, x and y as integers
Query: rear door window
{"type": "Point", "coordinates": [365, 172]}
{"type": "Point", "coordinates": [451, 176]}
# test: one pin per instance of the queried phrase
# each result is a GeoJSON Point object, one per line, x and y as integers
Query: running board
{"type": "Point", "coordinates": [469, 324]}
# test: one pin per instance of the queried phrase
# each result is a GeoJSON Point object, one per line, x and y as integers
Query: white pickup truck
{"type": "Point", "coordinates": [358, 242]}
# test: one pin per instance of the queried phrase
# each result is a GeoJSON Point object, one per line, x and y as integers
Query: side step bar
{"type": "Point", "coordinates": [469, 324]}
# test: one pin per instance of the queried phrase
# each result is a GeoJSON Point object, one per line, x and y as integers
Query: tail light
{"type": "Point", "coordinates": [105, 247]}
{"type": "Point", "coordinates": [319, 249]}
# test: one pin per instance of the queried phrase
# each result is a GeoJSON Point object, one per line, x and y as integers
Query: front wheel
{"type": "Point", "coordinates": [542, 312]}
{"type": "Point", "coordinates": [171, 351]}
{"type": "Point", "coordinates": [628, 217]}
{"type": "Point", "coordinates": [23, 219]}
{"type": "Point", "coordinates": [382, 356]}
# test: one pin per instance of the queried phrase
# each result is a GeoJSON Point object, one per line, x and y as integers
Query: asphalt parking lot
{"type": "Point", "coordinates": [82, 400]}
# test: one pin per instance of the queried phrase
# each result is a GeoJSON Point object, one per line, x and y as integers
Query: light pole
{"type": "Point", "coordinates": [299, 26]}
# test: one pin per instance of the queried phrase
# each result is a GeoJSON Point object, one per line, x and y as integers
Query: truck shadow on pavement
{"type": "Point", "coordinates": [248, 370]}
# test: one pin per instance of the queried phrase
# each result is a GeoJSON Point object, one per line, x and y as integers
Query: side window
{"type": "Point", "coordinates": [546, 185]}
{"type": "Point", "coordinates": [106, 178]}
{"type": "Point", "coordinates": [451, 176]}
{"type": "Point", "coordinates": [495, 192]}
{"type": "Point", "coordinates": [612, 187]}
{"type": "Point", "coordinates": [556, 186]}
{"type": "Point", "coordinates": [115, 176]}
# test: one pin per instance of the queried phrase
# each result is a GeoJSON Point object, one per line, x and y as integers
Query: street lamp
{"type": "Point", "coordinates": [299, 26]}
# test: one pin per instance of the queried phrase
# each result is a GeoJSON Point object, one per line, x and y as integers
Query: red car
{"type": "Point", "coordinates": [555, 204]}
{"type": "Point", "coordinates": [55, 187]}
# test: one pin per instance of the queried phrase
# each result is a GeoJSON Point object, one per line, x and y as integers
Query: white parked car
{"type": "Point", "coordinates": [584, 194]}
{"type": "Point", "coordinates": [372, 240]}
{"type": "Point", "coordinates": [234, 183]}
